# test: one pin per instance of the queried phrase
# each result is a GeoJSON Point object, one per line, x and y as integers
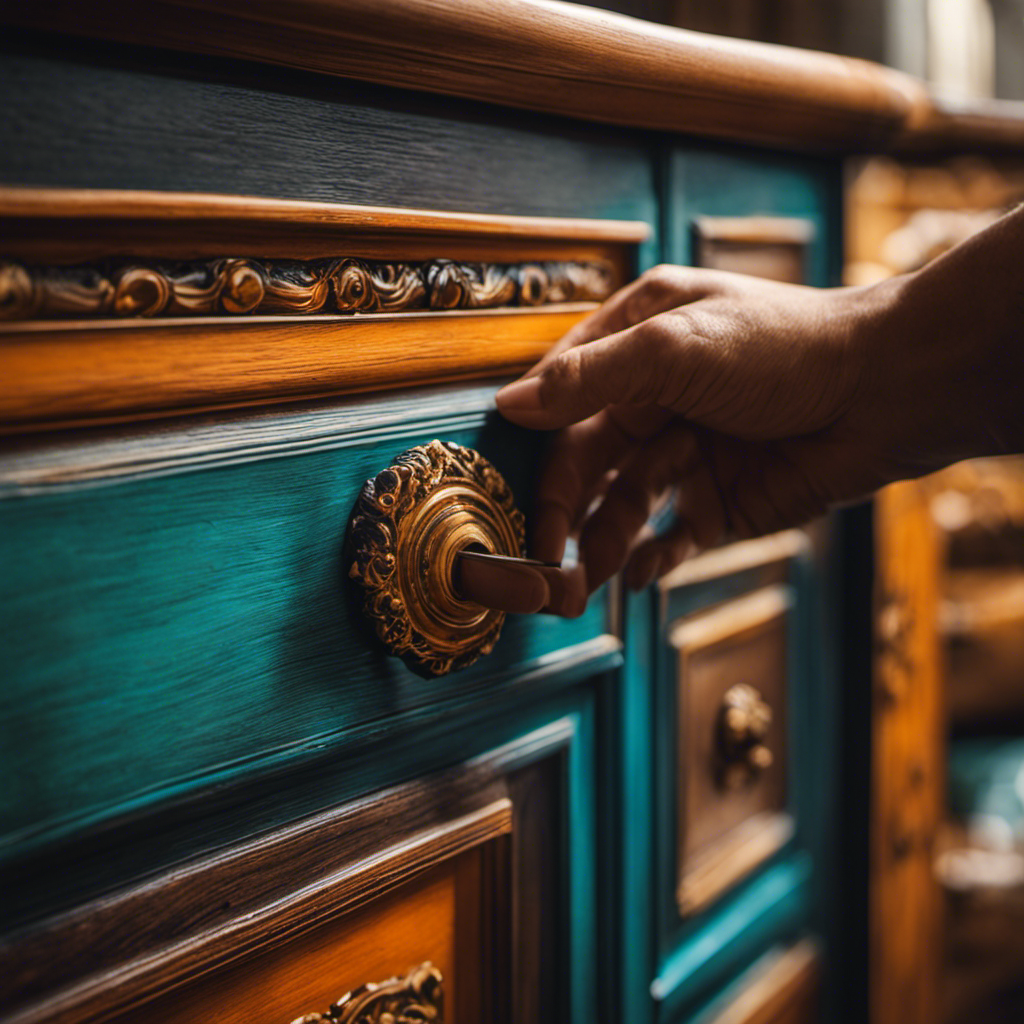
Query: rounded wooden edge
{"type": "Point", "coordinates": [564, 59]}
{"type": "Point", "coordinates": [126, 206]}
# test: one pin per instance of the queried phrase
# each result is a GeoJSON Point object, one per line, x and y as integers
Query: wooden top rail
{"type": "Point", "coordinates": [564, 59]}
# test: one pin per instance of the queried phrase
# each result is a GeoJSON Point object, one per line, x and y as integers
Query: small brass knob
{"type": "Point", "coordinates": [743, 723]}
{"type": "Point", "coordinates": [408, 527]}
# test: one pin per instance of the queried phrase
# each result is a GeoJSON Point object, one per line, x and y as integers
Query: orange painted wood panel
{"type": "Point", "coordinates": [55, 373]}
{"type": "Point", "coordinates": [908, 758]}
{"type": "Point", "coordinates": [416, 923]}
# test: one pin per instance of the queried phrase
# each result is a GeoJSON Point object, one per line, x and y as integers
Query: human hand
{"type": "Point", "coordinates": [759, 403]}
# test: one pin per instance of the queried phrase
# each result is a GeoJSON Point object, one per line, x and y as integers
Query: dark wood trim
{"type": "Point", "coordinates": [119, 951]}
{"type": "Point", "coordinates": [49, 225]}
{"type": "Point", "coordinates": [561, 59]}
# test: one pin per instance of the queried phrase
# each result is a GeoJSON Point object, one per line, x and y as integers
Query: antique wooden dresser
{"type": "Point", "coordinates": [260, 761]}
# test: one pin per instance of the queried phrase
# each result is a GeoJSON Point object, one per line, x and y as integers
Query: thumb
{"type": "Point", "coordinates": [623, 369]}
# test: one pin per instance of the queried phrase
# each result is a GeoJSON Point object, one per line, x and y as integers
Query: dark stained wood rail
{"type": "Point", "coordinates": [563, 59]}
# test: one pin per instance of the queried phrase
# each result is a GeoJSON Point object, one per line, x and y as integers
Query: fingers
{"type": "Point", "coordinates": [630, 367]}
{"type": "Point", "coordinates": [576, 467]}
{"type": "Point", "coordinates": [611, 531]}
{"type": "Point", "coordinates": [653, 558]}
{"type": "Point", "coordinates": [656, 291]}
{"type": "Point", "coordinates": [567, 592]}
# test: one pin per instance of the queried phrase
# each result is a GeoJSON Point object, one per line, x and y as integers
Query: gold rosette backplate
{"type": "Point", "coordinates": [408, 526]}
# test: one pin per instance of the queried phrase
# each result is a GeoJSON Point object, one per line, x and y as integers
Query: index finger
{"type": "Point", "coordinates": [656, 291]}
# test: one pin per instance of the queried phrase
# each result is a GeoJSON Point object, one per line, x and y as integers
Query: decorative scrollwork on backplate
{"type": "Point", "coordinates": [407, 528]}
{"type": "Point", "coordinates": [414, 999]}
{"type": "Point", "coordinates": [236, 286]}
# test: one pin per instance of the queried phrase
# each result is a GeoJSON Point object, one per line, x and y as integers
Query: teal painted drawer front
{"type": "Point", "coordinates": [731, 183]}
{"type": "Point", "coordinates": [177, 613]}
{"type": "Point", "coordinates": [671, 964]}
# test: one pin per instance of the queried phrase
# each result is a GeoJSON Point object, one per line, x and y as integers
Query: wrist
{"type": "Point", "coordinates": [940, 358]}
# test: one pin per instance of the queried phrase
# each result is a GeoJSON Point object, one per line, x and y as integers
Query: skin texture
{"type": "Point", "coordinates": [756, 405]}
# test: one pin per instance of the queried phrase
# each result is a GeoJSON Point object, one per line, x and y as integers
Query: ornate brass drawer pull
{"type": "Point", "coordinates": [414, 999]}
{"type": "Point", "coordinates": [743, 724]}
{"type": "Point", "coordinates": [408, 527]}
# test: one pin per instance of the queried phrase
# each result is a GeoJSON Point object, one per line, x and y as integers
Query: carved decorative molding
{"type": "Point", "coordinates": [414, 999]}
{"type": "Point", "coordinates": [408, 526]}
{"type": "Point", "coordinates": [235, 286]}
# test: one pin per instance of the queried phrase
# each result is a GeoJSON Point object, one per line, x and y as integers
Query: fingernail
{"type": "Point", "coordinates": [520, 395]}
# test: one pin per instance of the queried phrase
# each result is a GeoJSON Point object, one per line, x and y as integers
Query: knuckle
{"type": "Point", "coordinates": [662, 276]}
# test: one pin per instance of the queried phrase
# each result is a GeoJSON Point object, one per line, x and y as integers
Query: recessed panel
{"type": "Point", "coordinates": [731, 742]}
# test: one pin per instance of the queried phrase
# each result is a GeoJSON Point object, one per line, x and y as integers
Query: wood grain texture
{"type": "Point", "coordinates": [105, 371]}
{"type": "Point", "coordinates": [561, 59]}
{"type": "Point", "coordinates": [417, 925]}
{"type": "Point", "coordinates": [251, 129]}
{"type": "Point", "coordinates": [463, 868]}
{"type": "Point", "coordinates": [145, 942]}
{"type": "Point", "coordinates": [908, 755]}
{"type": "Point", "coordinates": [241, 652]}
{"type": "Point", "coordinates": [67, 225]}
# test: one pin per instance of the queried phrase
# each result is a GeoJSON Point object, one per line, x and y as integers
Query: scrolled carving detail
{"type": "Point", "coordinates": [416, 998]}
{"type": "Point", "coordinates": [407, 527]}
{"type": "Point", "coordinates": [362, 287]}
{"type": "Point", "coordinates": [235, 286]}
{"type": "Point", "coordinates": [469, 285]}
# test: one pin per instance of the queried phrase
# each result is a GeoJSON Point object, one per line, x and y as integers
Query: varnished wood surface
{"type": "Point", "coordinates": [253, 900]}
{"type": "Point", "coordinates": [250, 900]}
{"type": "Point", "coordinates": [67, 225]}
{"type": "Point", "coordinates": [564, 59]}
{"type": "Point", "coordinates": [416, 924]}
{"type": "Point", "coordinates": [241, 656]}
{"type": "Point", "coordinates": [908, 754]}
{"type": "Point", "coordinates": [461, 867]}
{"type": "Point", "coordinates": [256, 130]}
{"type": "Point", "coordinates": [60, 373]}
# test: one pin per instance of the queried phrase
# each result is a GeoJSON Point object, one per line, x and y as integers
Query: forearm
{"type": "Point", "coordinates": [950, 340]}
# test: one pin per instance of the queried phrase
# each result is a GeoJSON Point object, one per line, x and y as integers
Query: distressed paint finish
{"type": "Point", "coordinates": [163, 632]}
{"type": "Point", "coordinates": [100, 122]}
{"type": "Point", "coordinates": [687, 962]}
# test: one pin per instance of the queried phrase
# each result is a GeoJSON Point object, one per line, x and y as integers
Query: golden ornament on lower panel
{"type": "Point", "coordinates": [413, 999]}
{"type": "Point", "coordinates": [408, 527]}
{"type": "Point", "coordinates": [743, 722]}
